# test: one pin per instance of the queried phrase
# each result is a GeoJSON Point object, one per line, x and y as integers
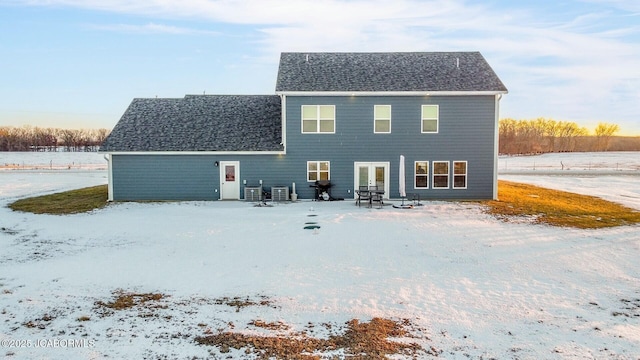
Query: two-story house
{"type": "Point", "coordinates": [342, 117]}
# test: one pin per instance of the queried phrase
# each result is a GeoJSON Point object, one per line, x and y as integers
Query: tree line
{"type": "Point", "coordinates": [547, 135]}
{"type": "Point", "coordinates": [29, 138]}
{"type": "Point", "coordinates": [535, 136]}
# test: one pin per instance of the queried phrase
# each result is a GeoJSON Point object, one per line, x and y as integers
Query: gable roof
{"type": "Point", "coordinates": [199, 123]}
{"type": "Point", "coordinates": [387, 72]}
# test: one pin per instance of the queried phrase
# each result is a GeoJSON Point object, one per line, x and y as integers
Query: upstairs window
{"type": "Point", "coordinates": [317, 170]}
{"type": "Point", "coordinates": [422, 175]}
{"type": "Point", "coordinates": [459, 174]}
{"type": "Point", "coordinates": [318, 119]}
{"type": "Point", "coordinates": [382, 119]}
{"type": "Point", "coordinates": [440, 175]}
{"type": "Point", "coordinates": [430, 114]}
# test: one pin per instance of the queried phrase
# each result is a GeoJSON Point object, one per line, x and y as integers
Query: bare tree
{"type": "Point", "coordinates": [29, 138]}
{"type": "Point", "coordinates": [100, 136]}
{"type": "Point", "coordinates": [568, 133]}
{"type": "Point", "coordinates": [604, 132]}
{"type": "Point", "coordinates": [540, 135]}
{"type": "Point", "coordinates": [507, 136]}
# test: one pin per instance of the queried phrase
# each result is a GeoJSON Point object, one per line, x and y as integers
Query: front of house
{"type": "Point", "coordinates": [342, 117]}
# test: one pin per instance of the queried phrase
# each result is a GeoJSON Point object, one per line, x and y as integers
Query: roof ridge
{"type": "Point", "coordinates": [382, 72]}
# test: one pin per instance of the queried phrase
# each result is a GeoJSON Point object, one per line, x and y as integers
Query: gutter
{"type": "Point", "coordinates": [109, 177]}
{"type": "Point", "coordinates": [496, 147]}
{"type": "Point", "coordinates": [390, 93]}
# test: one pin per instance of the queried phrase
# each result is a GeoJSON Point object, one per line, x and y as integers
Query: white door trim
{"type": "Point", "coordinates": [229, 192]}
{"type": "Point", "coordinates": [371, 165]}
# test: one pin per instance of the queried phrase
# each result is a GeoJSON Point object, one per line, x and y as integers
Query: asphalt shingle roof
{"type": "Point", "coordinates": [199, 123]}
{"type": "Point", "coordinates": [253, 122]}
{"type": "Point", "coordinates": [367, 72]}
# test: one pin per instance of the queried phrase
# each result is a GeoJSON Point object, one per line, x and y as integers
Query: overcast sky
{"type": "Point", "coordinates": [79, 63]}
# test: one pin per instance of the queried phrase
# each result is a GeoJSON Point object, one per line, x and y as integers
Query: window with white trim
{"type": "Point", "coordinates": [318, 119]}
{"type": "Point", "coordinates": [318, 170]}
{"type": "Point", "coordinates": [440, 175]}
{"type": "Point", "coordinates": [382, 119]}
{"type": "Point", "coordinates": [421, 175]}
{"type": "Point", "coordinates": [429, 120]}
{"type": "Point", "coordinates": [459, 174]}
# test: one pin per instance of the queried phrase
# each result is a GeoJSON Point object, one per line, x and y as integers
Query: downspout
{"type": "Point", "coordinates": [109, 177]}
{"type": "Point", "coordinates": [496, 148]}
{"type": "Point", "coordinates": [283, 109]}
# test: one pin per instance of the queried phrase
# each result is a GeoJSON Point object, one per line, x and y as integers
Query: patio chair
{"type": "Point", "coordinates": [416, 200]}
{"type": "Point", "coordinates": [363, 194]}
{"type": "Point", "coordinates": [375, 196]}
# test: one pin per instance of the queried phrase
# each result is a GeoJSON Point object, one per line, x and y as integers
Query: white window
{"type": "Point", "coordinates": [382, 119]}
{"type": "Point", "coordinates": [459, 174]}
{"type": "Point", "coordinates": [430, 114]}
{"type": "Point", "coordinates": [440, 175]}
{"type": "Point", "coordinates": [318, 170]}
{"type": "Point", "coordinates": [318, 119]}
{"type": "Point", "coordinates": [422, 175]}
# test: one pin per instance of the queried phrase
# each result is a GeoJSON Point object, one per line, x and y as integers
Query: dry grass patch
{"type": "Point", "coordinates": [239, 302]}
{"type": "Point", "coordinates": [68, 202]}
{"type": "Point", "coordinates": [559, 208]}
{"type": "Point", "coordinates": [368, 340]}
{"type": "Point", "coordinates": [40, 323]}
{"type": "Point", "coordinates": [127, 300]}
{"type": "Point", "coordinates": [276, 325]}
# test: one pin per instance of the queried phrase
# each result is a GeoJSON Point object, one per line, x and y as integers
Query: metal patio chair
{"type": "Point", "coordinates": [363, 194]}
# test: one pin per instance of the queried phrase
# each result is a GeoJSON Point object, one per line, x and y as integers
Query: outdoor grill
{"type": "Point", "coordinates": [322, 187]}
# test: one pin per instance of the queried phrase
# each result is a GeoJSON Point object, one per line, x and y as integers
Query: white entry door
{"type": "Point", "coordinates": [372, 174]}
{"type": "Point", "coordinates": [229, 180]}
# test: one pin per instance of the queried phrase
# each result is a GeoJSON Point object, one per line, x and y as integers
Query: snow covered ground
{"type": "Point", "coordinates": [52, 161]}
{"type": "Point", "coordinates": [471, 285]}
{"type": "Point", "coordinates": [614, 176]}
{"type": "Point", "coordinates": [600, 163]}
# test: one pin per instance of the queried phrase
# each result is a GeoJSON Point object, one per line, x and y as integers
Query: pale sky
{"type": "Point", "coordinates": [79, 63]}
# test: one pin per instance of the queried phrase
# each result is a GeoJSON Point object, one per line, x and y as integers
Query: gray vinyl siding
{"type": "Point", "coordinates": [162, 177]}
{"type": "Point", "coordinates": [191, 177]}
{"type": "Point", "coordinates": [466, 133]}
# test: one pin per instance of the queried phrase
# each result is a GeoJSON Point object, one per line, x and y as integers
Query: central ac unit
{"type": "Point", "coordinates": [279, 193]}
{"type": "Point", "coordinates": [253, 193]}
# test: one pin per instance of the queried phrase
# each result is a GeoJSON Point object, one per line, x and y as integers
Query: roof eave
{"type": "Point", "coordinates": [270, 152]}
{"type": "Point", "coordinates": [390, 93]}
